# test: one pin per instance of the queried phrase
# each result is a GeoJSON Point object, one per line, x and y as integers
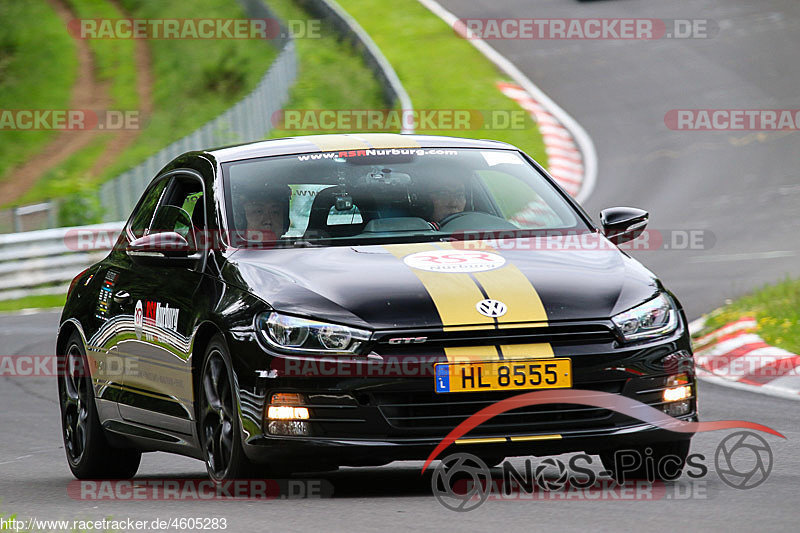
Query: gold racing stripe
{"type": "Point", "coordinates": [470, 354]}
{"type": "Point", "coordinates": [524, 438]}
{"type": "Point", "coordinates": [509, 285]}
{"type": "Point", "coordinates": [332, 143]}
{"type": "Point", "coordinates": [388, 140]}
{"type": "Point", "coordinates": [482, 440]}
{"type": "Point", "coordinates": [454, 294]}
{"type": "Point", "coordinates": [526, 351]}
{"type": "Point", "coordinates": [525, 309]}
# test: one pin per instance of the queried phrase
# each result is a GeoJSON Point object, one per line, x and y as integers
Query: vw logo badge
{"type": "Point", "coordinates": [491, 308]}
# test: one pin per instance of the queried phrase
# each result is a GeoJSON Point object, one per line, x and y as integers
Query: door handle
{"type": "Point", "coordinates": [121, 297]}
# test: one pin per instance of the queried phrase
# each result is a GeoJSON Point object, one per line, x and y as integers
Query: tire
{"type": "Point", "coordinates": [678, 450]}
{"type": "Point", "coordinates": [218, 419]}
{"type": "Point", "coordinates": [89, 454]}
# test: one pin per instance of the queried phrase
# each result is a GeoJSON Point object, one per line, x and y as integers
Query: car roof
{"type": "Point", "coordinates": [348, 141]}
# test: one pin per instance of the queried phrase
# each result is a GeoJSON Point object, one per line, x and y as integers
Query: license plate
{"type": "Point", "coordinates": [503, 375]}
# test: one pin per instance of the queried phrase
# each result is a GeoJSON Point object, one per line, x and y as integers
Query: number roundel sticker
{"type": "Point", "coordinates": [455, 261]}
{"type": "Point", "coordinates": [138, 319]}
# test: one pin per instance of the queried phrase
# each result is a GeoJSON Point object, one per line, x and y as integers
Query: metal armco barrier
{"type": "Point", "coordinates": [45, 261]}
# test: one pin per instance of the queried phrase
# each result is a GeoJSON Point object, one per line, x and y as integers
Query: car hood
{"type": "Point", "coordinates": [404, 286]}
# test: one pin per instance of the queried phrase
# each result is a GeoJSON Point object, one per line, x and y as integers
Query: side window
{"type": "Point", "coordinates": [519, 202]}
{"type": "Point", "coordinates": [181, 209]}
{"type": "Point", "coordinates": [143, 216]}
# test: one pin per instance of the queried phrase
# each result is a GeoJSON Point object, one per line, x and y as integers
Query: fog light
{"type": "Point", "coordinates": [287, 398]}
{"type": "Point", "coordinates": [677, 408]}
{"type": "Point", "coordinates": [291, 428]}
{"type": "Point", "coordinates": [285, 412]}
{"type": "Point", "coordinates": [678, 379]}
{"type": "Point", "coordinates": [676, 394]}
{"type": "Point", "coordinates": [285, 416]}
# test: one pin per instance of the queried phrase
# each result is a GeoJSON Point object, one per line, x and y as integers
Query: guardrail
{"type": "Point", "coordinates": [45, 261]}
{"type": "Point", "coordinates": [393, 90]}
{"type": "Point", "coordinates": [247, 120]}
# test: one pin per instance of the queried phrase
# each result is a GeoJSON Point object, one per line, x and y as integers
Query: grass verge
{"type": "Point", "coordinates": [194, 81]}
{"type": "Point", "coordinates": [775, 307]}
{"type": "Point", "coordinates": [440, 70]}
{"type": "Point", "coordinates": [114, 59]}
{"type": "Point", "coordinates": [34, 302]}
{"type": "Point", "coordinates": [38, 67]}
{"type": "Point", "coordinates": [331, 73]}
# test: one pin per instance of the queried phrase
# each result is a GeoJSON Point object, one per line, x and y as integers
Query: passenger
{"type": "Point", "coordinates": [266, 210]}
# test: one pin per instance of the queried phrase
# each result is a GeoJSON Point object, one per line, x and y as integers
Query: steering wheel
{"type": "Point", "coordinates": [451, 217]}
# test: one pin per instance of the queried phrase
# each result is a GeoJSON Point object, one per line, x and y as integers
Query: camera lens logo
{"type": "Point", "coordinates": [461, 482]}
{"type": "Point", "coordinates": [551, 474]}
{"type": "Point", "coordinates": [743, 460]}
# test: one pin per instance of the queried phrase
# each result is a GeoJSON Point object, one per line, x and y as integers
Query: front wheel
{"type": "Point", "coordinates": [88, 453]}
{"type": "Point", "coordinates": [218, 417]}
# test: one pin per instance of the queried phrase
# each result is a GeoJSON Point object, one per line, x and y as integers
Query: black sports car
{"type": "Point", "coordinates": [330, 300]}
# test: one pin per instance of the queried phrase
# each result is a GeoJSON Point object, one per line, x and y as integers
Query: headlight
{"type": "Point", "coordinates": [299, 335]}
{"type": "Point", "coordinates": [653, 318]}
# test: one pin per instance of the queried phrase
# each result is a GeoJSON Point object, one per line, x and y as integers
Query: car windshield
{"type": "Point", "coordinates": [384, 196]}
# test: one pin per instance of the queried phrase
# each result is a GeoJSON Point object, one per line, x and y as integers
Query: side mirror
{"type": "Point", "coordinates": [623, 224]}
{"type": "Point", "coordinates": [162, 249]}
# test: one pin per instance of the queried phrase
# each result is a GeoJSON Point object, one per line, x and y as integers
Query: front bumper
{"type": "Point", "coordinates": [373, 419]}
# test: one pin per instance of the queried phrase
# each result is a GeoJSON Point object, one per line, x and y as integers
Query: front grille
{"type": "Point", "coordinates": [566, 333]}
{"type": "Point", "coordinates": [425, 412]}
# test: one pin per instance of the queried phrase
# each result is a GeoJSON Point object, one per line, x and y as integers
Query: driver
{"type": "Point", "coordinates": [448, 197]}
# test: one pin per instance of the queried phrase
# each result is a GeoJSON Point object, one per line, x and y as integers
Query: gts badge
{"type": "Point", "coordinates": [408, 340]}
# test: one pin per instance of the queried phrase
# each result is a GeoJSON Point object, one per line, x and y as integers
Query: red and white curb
{"type": "Point", "coordinates": [564, 160]}
{"type": "Point", "coordinates": [735, 356]}
{"type": "Point", "coordinates": [564, 136]}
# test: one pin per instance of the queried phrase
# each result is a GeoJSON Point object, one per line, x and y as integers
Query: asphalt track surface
{"type": "Point", "coordinates": [741, 187]}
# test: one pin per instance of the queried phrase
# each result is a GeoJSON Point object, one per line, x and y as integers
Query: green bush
{"type": "Point", "coordinates": [80, 208]}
